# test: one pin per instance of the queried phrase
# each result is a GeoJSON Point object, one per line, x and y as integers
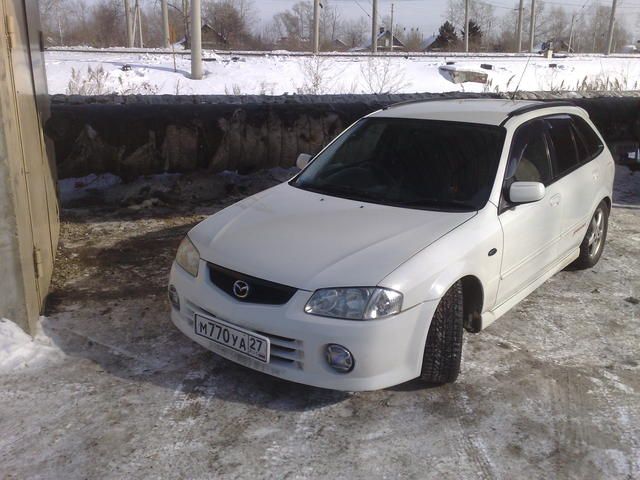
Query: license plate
{"type": "Point", "coordinates": [235, 338]}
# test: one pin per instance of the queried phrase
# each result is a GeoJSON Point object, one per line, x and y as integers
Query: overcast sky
{"type": "Point", "coordinates": [424, 14]}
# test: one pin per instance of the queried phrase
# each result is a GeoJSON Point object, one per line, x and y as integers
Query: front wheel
{"type": "Point", "coordinates": [443, 350]}
{"type": "Point", "coordinates": [593, 243]}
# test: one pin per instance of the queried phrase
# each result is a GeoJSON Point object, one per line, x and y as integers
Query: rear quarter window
{"type": "Point", "coordinates": [589, 140]}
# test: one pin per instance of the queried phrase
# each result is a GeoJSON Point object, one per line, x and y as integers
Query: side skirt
{"type": "Point", "coordinates": [491, 316]}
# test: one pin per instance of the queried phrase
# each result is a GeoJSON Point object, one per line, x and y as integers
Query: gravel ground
{"type": "Point", "coordinates": [549, 391]}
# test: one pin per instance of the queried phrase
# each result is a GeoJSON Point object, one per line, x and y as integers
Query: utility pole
{"type": "Point", "coordinates": [196, 41]}
{"type": "Point", "coordinates": [139, 15]}
{"type": "Point", "coordinates": [573, 19]}
{"type": "Point", "coordinates": [612, 20]}
{"type": "Point", "coordinates": [532, 26]}
{"type": "Point", "coordinates": [392, 37]}
{"type": "Point", "coordinates": [165, 24]}
{"type": "Point", "coordinates": [316, 26]}
{"type": "Point", "coordinates": [520, 22]}
{"type": "Point", "coordinates": [127, 14]}
{"type": "Point", "coordinates": [374, 26]}
{"type": "Point", "coordinates": [466, 25]}
{"type": "Point", "coordinates": [185, 17]}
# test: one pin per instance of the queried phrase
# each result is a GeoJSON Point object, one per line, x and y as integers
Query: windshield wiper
{"type": "Point", "coordinates": [340, 190]}
{"type": "Point", "coordinates": [439, 203]}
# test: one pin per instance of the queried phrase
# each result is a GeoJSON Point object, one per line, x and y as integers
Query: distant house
{"type": "Point", "coordinates": [555, 44]}
{"type": "Point", "coordinates": [338, 45]}
{"type": "Point", "coordinates": [384, 43]}
{"type": "Point", "coordinates": [429, 44]}
{"type": "Point", "coordinates": [211, 39]}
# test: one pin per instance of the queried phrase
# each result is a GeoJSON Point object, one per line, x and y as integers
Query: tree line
{"type": "Point", "coordinates": [237, 26]}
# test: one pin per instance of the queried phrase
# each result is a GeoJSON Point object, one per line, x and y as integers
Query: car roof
{"type": "Point", "coordinates": [486, 111]}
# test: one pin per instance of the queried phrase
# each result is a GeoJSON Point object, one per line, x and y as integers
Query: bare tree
{"type": "Point", "coordinates": [354, 32]}
{"type": "Point", "coordinates": [317, 75]}
{"type": "Point", "coordinates": [481, 12]}
{"type": "Point", "coordinates": [379, 75]}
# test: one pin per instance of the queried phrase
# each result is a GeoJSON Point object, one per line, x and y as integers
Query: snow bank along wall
{"type": "Point", "coordinates": [139, 135]}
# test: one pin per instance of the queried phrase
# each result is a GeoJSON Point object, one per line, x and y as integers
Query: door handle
{"type": "Point", "coordinates": [555, 200]}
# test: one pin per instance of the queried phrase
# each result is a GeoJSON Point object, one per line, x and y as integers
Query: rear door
{"type": "Point", "coordinates": [576, 178]}
{"type": "Point", "coordinates": [531, 230]}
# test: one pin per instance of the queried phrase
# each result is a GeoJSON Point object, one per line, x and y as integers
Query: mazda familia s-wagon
{"type": "Point", "coordinates": [417, 222]}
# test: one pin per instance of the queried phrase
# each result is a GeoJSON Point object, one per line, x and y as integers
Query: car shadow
{"type": "Point", "coordinates": [109, 305]}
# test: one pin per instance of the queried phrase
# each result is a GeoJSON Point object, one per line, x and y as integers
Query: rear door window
{"type": "Point", "coordinates": [564, 149]}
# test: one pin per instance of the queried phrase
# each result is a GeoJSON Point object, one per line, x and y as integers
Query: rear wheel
{"type": "Point", "coordinates": [443, 350]}
{"type": "Point", "coordinates": [593, 242]}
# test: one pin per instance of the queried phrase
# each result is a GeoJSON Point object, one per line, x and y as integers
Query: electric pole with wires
{"type": "Point", "coordinates": [466, 26]}
{"type": "Point", "coordinates": [127, 15]}
{"type": "Point", "coordinates": [374, 26]}
{"type": "Point", "coordinates": [165, 24]}
{"type": "Point", "coordinates": [520, 21]}
{"type": "Point", "coordinates": [532, 26]}
{"type": "Point", "coordinates": [316, 26]}
{"type": "Point", "coordinates": [392, 32]}
{"type": "Point", "coordinates": [612, 20]}
{"type": "Point", "coordinates": [196, 40]}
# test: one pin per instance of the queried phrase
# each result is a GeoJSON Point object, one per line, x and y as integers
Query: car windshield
{"type": "Point", "coordinates": [411, 163]}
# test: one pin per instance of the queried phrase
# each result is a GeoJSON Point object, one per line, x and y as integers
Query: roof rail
{"type": "Point", "coordinates": [437, 99]}
{"type": "Point", "coordinates": [537, 106]}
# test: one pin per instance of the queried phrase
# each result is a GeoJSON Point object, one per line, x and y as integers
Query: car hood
{"type": "Point", "coordinates": [308, 240]}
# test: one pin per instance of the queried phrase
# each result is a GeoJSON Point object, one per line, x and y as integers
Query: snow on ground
{"type": "Point", "coordinates": [276, 74]}
{"type": "Point", "coordinates": [20, 350]}
{"type": "Point", "coordinates": [551, 390]}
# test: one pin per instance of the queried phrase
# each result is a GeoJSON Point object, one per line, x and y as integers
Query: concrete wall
{"type": "Point", "coordinates": [137, 135]}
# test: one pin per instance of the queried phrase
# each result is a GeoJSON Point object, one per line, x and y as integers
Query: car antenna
{"type": "Point", "coordinates": [513, 95]}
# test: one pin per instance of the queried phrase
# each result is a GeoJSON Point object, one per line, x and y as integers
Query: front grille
{"type": "Point", "coordinates": [260, 291]}
{"type": "Point", "coordinates": [285, 352]}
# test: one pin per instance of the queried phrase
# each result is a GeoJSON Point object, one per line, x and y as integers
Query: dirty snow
{"type": "Point", "coordinates": [275, 74]}
{"type": "Point", "coordinates": [19, 350]}
{"type": "Point", "coordinates": [551, 390]}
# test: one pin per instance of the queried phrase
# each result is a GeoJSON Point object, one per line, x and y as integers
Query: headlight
{"type": "Point", "coordinates": [354, 303]}
{"type": "Point", "coordinates": [188, 257]}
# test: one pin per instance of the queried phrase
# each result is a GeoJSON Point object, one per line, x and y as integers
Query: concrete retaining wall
{"type": "Point", "coordinates": [138, 135]}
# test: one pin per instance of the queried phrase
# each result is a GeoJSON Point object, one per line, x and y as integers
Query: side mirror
{"type": "Point", "coordinates": [526, 192]}
{"type": "Point", "coordinates": [303, 160]}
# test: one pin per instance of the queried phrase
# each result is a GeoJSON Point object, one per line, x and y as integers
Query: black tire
{"type": "Point", "coordinates": [593, 242]}
{"type": "Point", "coordinates": [443, 350]}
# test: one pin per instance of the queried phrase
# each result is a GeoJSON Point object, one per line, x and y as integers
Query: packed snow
{"type": "Point", "coordinates": [19, 350]}
{"type": "Point", "coordinates": [282, 73]}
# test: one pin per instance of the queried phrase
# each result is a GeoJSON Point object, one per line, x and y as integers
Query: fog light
{"type": "Point", "coordinates": [339, 358]}
{"type": "Point", "coordinates": [173, 297]}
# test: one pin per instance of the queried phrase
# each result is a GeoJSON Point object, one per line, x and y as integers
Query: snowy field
{"type": "Point", "coordinates": [276, 74]}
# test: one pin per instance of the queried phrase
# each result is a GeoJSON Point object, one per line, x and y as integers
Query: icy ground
{"type": "Point", "coordinates": [551, 390]}
{"type": "Point", "coordinates": [276, 74]}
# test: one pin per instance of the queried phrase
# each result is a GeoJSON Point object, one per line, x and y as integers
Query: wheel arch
{"type": "Point", "coordinates": [473, 302]}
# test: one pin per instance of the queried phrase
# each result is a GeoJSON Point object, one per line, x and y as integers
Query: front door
{"type": "Point", "coordinates": [530, 230]}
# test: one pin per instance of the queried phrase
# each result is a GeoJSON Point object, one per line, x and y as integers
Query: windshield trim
{"type": "Point", "coordinates": [354, 198]}
{"type": "Point", "coordinates": [501, 142]}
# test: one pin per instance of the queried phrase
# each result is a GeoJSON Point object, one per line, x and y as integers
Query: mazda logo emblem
{"type": "Point", "coordinates": [241, 289]}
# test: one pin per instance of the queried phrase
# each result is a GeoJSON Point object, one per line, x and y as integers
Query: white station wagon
{"type": "Point", "coordinates": [418, 221]}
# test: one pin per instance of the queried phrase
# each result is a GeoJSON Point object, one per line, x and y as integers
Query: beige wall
{"type": "Point", "coordinates": [28, 205]}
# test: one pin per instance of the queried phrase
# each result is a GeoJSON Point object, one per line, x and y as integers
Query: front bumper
{"type": "Point", "coordinates": [387, 351]}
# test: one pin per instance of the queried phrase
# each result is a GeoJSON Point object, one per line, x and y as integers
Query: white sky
{"type": "Point", "coordinates": [427, 15]}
